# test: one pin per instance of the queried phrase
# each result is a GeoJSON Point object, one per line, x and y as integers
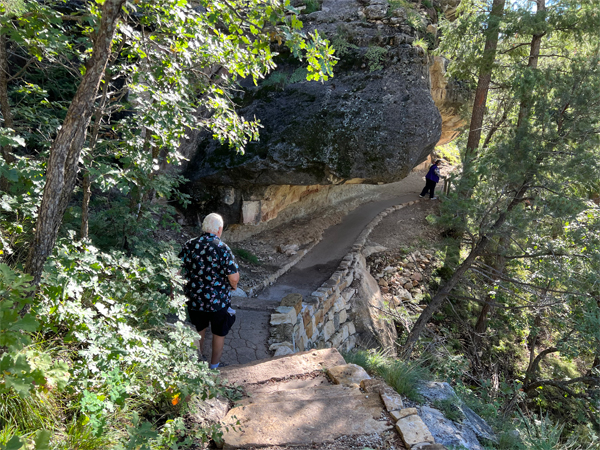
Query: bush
{"type": "Point", "coordinates": [312, 6]}
{"type": "Point", "coordinates": [246, 255]}
{"type": "Point", "coordinates": [113, 371]}
{"type": "Point", "coordinates": [375, 57]}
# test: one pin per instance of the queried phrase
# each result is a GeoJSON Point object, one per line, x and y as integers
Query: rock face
{"type": "Point", "coordinates": [447, 432]}
{"type": "Point", "coordinates": [372, 123]}
{"type": "Point", "coordinates": [372, 328]}
{"type": "Point", "coordinates": [449, 97]}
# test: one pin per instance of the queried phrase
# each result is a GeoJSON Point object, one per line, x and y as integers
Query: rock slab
{"type": "Point", "coordinates": [442, 391]}
{"type": "Point", "coordinates": [348, 374]}
{"type": "Point", "coordinates": [413, 431]}
{"type": "Point", "coordinates": [447, 432]}
{"type": "Point", "coordinates": [283, 367]}
{"type": "Point", "coordinates": [312, 417]}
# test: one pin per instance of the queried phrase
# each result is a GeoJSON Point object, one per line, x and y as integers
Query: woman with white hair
{"type": "Point", "coordinates": [211, 273]}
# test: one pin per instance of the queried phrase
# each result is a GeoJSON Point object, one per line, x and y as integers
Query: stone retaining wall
{"type": "Point", "coordinates": [326, 318]}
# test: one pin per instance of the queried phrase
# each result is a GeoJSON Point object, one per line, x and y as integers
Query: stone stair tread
{"type": "Point", "coordinates": [304, 421]}
{"type": "Point", "coordinates": [282, 367]}
{"type": "Point", "coordinates": [308, 393]}
{"type": "Point", "coordinates": [286, 385]}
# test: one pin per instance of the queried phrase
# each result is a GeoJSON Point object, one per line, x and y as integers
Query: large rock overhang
{"type": "Point", "coordinates": [365, 125]}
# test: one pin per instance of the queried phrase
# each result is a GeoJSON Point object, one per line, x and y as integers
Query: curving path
{"type": "Point", "coordinates": [248, 338]}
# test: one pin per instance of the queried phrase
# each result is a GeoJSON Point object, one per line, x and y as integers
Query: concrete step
{"type": "Point", "coordinates": [303, 419]}
{"type": "Point", "coordinates": [308, 393]}
{"type": "Point", "coordinates": [254, 390]}
{"type": "Point", "coordinates": [282, 367]}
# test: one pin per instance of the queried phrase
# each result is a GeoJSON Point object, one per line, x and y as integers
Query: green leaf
{"type": "Point", "coordinates": [42, 440]}
{"type": "Point", "coordinates": [27, 323]}
{"type": "Point", "coordinates": [14, 444]}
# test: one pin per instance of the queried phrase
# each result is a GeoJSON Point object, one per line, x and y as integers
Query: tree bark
{"type": "Point", "coordinates": [532, 63]}
{"type": "Point", "coordinates": [534, 365]}
{"type": "Point", "coordinates": [66, 148]}
{"type": "Point", "coordinates": [87, 180]}
{"type": "Point", "coordinates": [85, 205]}
{"type": "Point", "coordinates": [498, 265]}
{"type": "Point", "coordinates": [485, 77]}
{"type": "Point", "coordinates": [4, 104]}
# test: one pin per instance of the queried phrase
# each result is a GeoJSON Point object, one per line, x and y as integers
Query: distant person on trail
{"type": "Point", "coordinates": [211, 273]}
{"type": "Point", "coordinates": [431, 179]}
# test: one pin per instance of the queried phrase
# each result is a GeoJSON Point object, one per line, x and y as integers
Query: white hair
{"type": "Point", "coordinates": [212, 223]}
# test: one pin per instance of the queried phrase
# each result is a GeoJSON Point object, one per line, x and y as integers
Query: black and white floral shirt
{"type": "Point", "coordinates": [206, 263]}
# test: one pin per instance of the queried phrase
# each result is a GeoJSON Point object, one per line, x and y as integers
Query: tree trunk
{"type": "Point", "coordinates": [85, 204]}
{"type": "Point", "coordinates": [534, 365]}
{"type": "Point", "coordinates": [532, 63]}
{"type": "Point", "coordinates": [4, 104]}
{"type": "Point", "coordinates": [485, 77]}
{"type": "Point", "coordinates": [498, 266]}
{"type": "Point", "coordinates": [87, 180]}
{"type": "Point", "coordinates": [66, 148]}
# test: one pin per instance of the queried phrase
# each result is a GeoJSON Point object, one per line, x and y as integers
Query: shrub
{"type": "Point", "coordinates": [312, 6]}
{"type": "Point", "coordinates": [246, 255]}
{"type": "Point", "coordinates": [342, 46]}
{"type": "Point", "coordinates": [421, 43]}
{"type": "Point", "coordinates": [375, 57]}
{"type": "Point", "coordinates": [120, 373]}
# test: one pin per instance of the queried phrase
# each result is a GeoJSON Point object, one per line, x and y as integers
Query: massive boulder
{"type": "Point", "coordinates": [372, 123]}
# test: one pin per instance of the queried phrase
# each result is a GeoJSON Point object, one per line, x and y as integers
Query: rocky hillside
{"type": "Point", "coordinates": [376, 120]}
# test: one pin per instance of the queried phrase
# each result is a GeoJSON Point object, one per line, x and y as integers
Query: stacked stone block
{"type": "Point", "coordinates": [322, 320]}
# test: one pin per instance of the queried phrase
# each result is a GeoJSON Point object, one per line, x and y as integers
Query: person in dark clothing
{"type": "Point", "coordinates": [431, 179]}
{"type": "Point", "coordinates": [211, 273]}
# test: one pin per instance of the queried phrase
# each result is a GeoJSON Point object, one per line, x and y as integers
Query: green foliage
{"type": "Point", "coordinates": [416, 22]}
{"type": "Point", "coordinates": [113, 372]}
{"type": "Point", "coordinates": [246, 255]}
{"type": "Point", "coordinates": [449, 152]}
{"type": "Point", "coordinates": [312, 6]}
{"type": "Point", "coordinates": [523, 193]}
{"type": "Point", "coordinates": [542, 434]}
{"type": "Point", "coordinates": [12, 7]}
{"type": "Point", "coordinates": [341, 44]}
{"type": "Point", "coordinates": [450, 409]}
{"type": "Point", "coordinates": [14, 290]}
{"type": "Point", "coordinates": [280, 79]}
{"type": "Point", "coordinates": [397, 4]}
{"type": "Point", "coordinates": [375, 57]}
{"type": "Point", "coordinates": [421, 43]}
{"type": "Point", "coordinates": [401, 375]}
{"type": "Point", "coordinates": [298, 75]}
{"type": "Point", "coordinates": [21, 368]}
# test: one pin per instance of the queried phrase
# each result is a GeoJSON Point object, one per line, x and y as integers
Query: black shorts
{"type": "Point", "coordinates": [220, 321]}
